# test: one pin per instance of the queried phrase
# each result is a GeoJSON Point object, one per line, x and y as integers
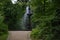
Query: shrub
{"type": "Point", "coordinates": [3, 29]}
{"type": "Point", "coordinates": [46, 19]}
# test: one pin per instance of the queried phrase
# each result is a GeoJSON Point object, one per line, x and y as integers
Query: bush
{"type": "Point", "coordinates": [3, 37]}
{"type": "Point", "coordinates": [46, 19]}
{"type": "Point", "coordinates": [3, 29]}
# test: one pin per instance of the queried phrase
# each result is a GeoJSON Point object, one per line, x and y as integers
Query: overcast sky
{"type": "Point", "coordinates": [14, 1]}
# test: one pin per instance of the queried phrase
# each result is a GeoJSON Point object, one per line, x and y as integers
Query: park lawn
{"type": "Point", "coordinates": [4, 37]}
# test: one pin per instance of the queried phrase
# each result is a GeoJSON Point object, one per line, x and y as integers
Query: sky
{"type": "Point", "coordinates": [14, 1]}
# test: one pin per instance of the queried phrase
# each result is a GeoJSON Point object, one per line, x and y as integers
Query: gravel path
{"type": "Point", "coordinates": [19, 35]}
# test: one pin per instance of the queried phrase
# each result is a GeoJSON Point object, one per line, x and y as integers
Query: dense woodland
{"type": "Point", "coordinates": [45, 18]}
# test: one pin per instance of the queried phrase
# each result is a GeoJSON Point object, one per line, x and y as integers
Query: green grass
{"type": "Point", "coordinates": [4, 37]}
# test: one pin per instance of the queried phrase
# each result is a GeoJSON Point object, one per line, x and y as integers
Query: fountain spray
{"type": "Point", "coordinates": [26, 21]}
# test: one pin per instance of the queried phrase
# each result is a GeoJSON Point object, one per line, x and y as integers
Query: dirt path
{"type": "Point", "coordinates": [19, 35]}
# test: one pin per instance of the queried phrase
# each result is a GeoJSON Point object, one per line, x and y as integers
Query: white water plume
{"type": "Point", "coordinates": [25, 18]}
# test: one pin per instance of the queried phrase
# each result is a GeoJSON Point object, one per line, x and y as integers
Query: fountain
{"type": "Point", "coordinates": [26, 21]}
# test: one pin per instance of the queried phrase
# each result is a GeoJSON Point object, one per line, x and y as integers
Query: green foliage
{"type": "Point", "coordinates": [13, 14]}
{"type": "Point", "coordinates": [3, 29]}
{"type": "Point", "coordinates": [3, 37]}
{"type": "Point", "coordinates": [3, 26]}
{"type": "Point", "coordinates": [46, 20]}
